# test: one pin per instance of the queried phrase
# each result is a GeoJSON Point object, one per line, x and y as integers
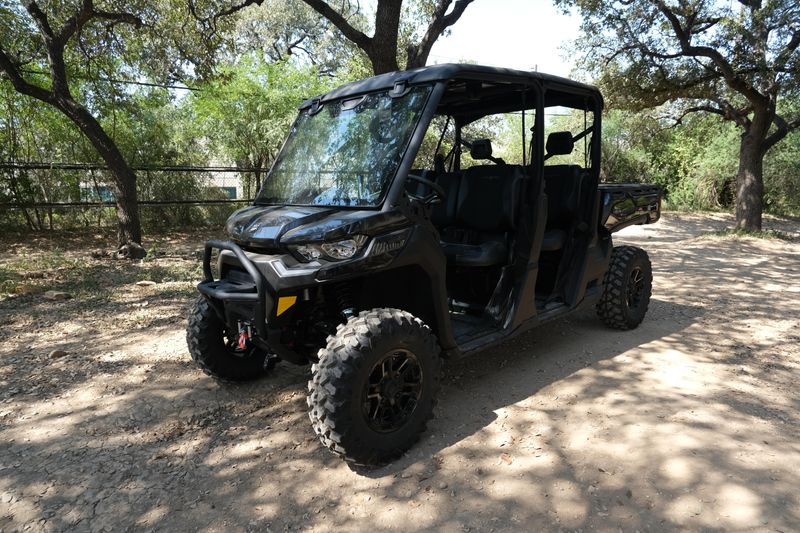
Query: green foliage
{"type": "Point", "coordinates": [633, 52]}
{"type": "Point", "coordinates": [695, 161]}
{"type": "Point", "coordinates": [143, 127]}
{"type": "Point", "coordinates": [289, 30]}
{"type": "Point", "coordinates": [736, 60]}
{"type": "Point", "coordinates": [254, 68]}
{"type": "Point", "coordinates": [240, 117]}
{"type": "Point", "coordinates": [782, 177]}
{"type": "Point", "coordinates": [246, 111]}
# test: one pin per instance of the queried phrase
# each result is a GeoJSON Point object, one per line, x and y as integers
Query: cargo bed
{"type": "Point", "coordinates": [626, 204]}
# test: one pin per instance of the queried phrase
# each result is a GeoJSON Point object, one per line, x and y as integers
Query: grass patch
{"type": "Point", "coordinates": [86, 278]}
{"type": "Point", "coordinates": [733, 234]}
{"type": "Point", "coordinates": [9, 278]}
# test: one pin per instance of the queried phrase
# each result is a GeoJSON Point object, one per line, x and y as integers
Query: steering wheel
{"type": "Point", "coordinates": [437, 194]}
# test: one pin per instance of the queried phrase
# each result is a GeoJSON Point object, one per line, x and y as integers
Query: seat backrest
{"type": "Point", "coordinates": [444, 214]}
{"type": "Point", "coordinates": [562, 183]}
{"type": "Point", "coordinates": [488, 197]}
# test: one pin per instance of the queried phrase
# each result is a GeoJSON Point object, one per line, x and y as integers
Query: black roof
{"type": "Point", "coordinates": [457, 71]}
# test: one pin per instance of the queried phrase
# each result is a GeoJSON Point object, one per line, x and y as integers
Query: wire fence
{"type": "Point", "coordinates": [47, 195]}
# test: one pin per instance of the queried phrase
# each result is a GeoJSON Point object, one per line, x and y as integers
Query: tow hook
{"type": "Point", "coordinates": [243, 338]}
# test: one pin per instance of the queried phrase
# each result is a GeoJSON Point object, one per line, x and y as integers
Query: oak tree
{"type": "Point", "coordinates": [45, 46]}
{"type": "Point", "coordinates": [390, 37]}
{"type": "Point", "coordinates": [737, 60]}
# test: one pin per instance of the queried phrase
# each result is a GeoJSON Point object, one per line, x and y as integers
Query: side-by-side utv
{"type": "Point", "coordinates": [390, 235]}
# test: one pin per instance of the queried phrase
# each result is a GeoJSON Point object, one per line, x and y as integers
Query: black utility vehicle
{"type": "Point", "coordinates": [389, 236]}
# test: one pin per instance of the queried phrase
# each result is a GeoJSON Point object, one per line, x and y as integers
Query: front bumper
{"type": "Point", "coordinates": [226, 290]}
{"type": "Point", "coordinates": [256, 294]}
{"type": "Point", "coordinates": [273, 278]}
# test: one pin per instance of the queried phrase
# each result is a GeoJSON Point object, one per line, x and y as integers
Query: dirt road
{"type": "Point", "coordinates": [689, 422]}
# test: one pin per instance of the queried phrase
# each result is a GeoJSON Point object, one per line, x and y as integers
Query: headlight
{"type": "Point", "coordinates": [339, 250]}
{"type": "Point", "coordinates": [309, 251]}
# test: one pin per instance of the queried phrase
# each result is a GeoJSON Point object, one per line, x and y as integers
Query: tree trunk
{"type": "Point", "coordinates": [382, 61]}
{"type": "Point", "coordinates": [12, 186]}
{"type": "Point", "coordinates": [750, 183]}
{"type": "Point", "coordinates": [256, 184]}
{"type": "Point", "coordinates": [383, 49]}
{"type": "Point", "coordinates": [130, 229]}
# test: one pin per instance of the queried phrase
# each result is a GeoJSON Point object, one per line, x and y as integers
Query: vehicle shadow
{"type": "Point", "coordinates": [145, 451]}
{"type": "Point", "coordinates": [476, 388]}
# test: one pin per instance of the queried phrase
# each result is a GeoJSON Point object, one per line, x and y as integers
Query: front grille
{"type": "Point", "coordinates": [261, 250]}
{"type": "Point", "coordinates": [239, 276]}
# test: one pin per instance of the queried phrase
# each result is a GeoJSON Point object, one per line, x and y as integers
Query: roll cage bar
{"type": "Point", "coordinates": [469, 92]}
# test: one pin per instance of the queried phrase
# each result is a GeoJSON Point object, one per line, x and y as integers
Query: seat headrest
{"type": "Point", "coordinates": [481, 149]}
{"type": "Point", "coordinates": [559, 143]}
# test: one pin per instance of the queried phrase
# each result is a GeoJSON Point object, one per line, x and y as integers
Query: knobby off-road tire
{"type": "Point", "coordinates": [627, 288]}
{"type": "Point", "coordinates": [208, 346]}
{"type": "Point", "coordinates": [374, 388]}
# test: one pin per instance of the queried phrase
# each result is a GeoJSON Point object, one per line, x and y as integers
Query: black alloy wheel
{"type": "Point", "coordinates": [375, 385]}
{"type": "Point", "coordinates": [393, 391]}
{"type": "Point", "coordinates": [627, 287]}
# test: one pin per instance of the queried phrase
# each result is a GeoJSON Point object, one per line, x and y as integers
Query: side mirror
{"type": "Point", "coordinates": [559, 143]}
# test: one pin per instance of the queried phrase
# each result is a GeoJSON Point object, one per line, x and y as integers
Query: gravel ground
{"type": "Point", "coordinates": [689, 422]}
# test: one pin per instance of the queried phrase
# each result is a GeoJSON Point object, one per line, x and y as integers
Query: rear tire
{"type": "Point", "coordinates": [627, 288]}
{"type": "Point", "coordinates": [210, 350]}
{"type": "Point", "coordinates": [374, 388]}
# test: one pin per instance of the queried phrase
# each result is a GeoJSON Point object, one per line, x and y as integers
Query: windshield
{"type": "Point", "coordinates": [345, 154]}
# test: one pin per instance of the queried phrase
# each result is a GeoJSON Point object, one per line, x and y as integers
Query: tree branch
{"type": "Point", "coordinates": [739, 116]}
{"type": "Point", "coordinates": [418, 54]}
{"type": "Point", "coordinates": [20, 84]}
{"type": "Point", "coordinates": [359, 38]}
{"type": "Point", "coordinates": [697, 109]}
{"type": "Point", "coordinates": [296, 44]}
{"type": "Point", "coordinates": [706, 25]}
{"type": "Point", "coordinates": [56, 41]}
{"type": "Point", "coordinates": [119, 17]}
{"type": "Point", "coordinates": [785, 54]}
{"type": "Point", "coordinates": [238, 7]}
{"type": "Point", "coordinates": [55, 50]}
{"type": "Point", "coordinates": [41, 20]}
{"type": "Point", "coordinates": [75, 22]}
{"type": "Point", "coordinates": [727, 71]}
{"type": "Point", "coordinates": [783, 129]}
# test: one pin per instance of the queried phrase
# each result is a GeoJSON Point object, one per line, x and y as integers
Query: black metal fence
{"type": "Point", "coordinates": [37, 195]}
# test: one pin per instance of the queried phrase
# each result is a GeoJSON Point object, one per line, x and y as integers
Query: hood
{"type": "Point", "coordinates": [271, 226]}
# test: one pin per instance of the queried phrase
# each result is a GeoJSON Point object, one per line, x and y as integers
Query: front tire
{"type": "Point", "coordinates": [212, 350]}
{"type": "Point", "coordinates": [627, 288]}
{"type": "Point", "coordinates": [374, 388]}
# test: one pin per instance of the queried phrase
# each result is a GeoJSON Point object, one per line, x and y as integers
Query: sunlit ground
{"type": "Point", "coordinates": [687, 423]}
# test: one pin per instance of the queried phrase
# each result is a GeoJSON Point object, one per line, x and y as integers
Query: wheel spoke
{"type": "Point", "coordinates": [393, 391]}
{"type": "Point", "coordinates": [377, 410]}
{"type": "Point", "coordinates": [633, 291]}
{"type": "Point", "coordinates": [403, 365]}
